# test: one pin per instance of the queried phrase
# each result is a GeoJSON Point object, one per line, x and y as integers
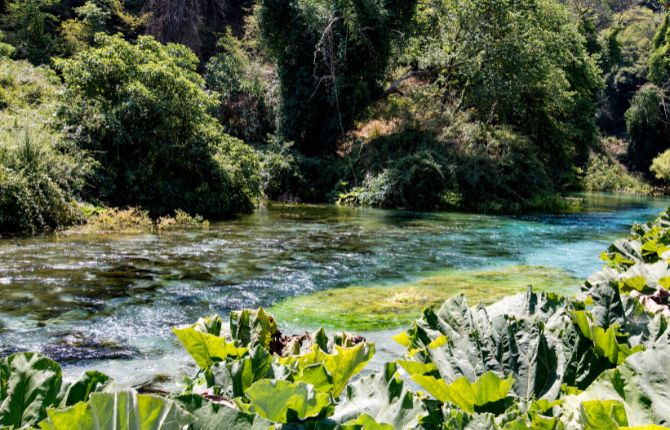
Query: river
{"type": "Point", "coordinates": [109, 301]}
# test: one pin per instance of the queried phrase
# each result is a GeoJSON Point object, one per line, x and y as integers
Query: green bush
{"type": "Point", "coordinates": [142, 110]}
{"type": "Point", "coordinates": [331, 57]}
{"type": "Point", "coordinates": [500, 170]}
{"type": "Point", "coordinates": [281, 175]}
{"type": "Point", "coordinates": [647, 124]}
{"type": "Point", "coordinates": [40, 176]}
{"type": "Point", "coordinates": [603, 174]}
{"type": "Point", "coordinates": [661, 166]}
{"type": "Point", "coordinates": [242, 90]}
{"type": "Point", "coordinates": [417, 181]}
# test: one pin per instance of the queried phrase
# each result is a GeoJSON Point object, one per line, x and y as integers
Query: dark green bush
{"type": "Point", "coordinates": [647, 124]}
{"type": "Point", "coordinates": [418, 181]}
{"type": "Point", "coordinates": [242, 91]}
{"type": "Point", "coordinates": [331, 56]}
{"type": "Point", "coordinates": [500, 170]}
{"type": "Point", "coordinates": [281, 175]}
{"type": "Point", "coordinates": [142, 110]}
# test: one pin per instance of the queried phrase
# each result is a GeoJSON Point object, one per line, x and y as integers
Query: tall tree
{"type": "Point", "coordinates": [332, 57]}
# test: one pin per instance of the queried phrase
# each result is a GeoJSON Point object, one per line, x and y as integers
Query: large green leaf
{"type": "Point", "coordinates": [211, 325]}
{"type": "Point", "coordinates": [80, 389]}
{"type": "Point", "coordinates": [536, 343]}
{"type": "Point", "coordinates": [605, 342]}
{"type": "Point", "coordinates": [284, 401]}
{"type": "Point", "coordinates": [602, 415]}
{"type": "Point", "coordinates": [641, 384]}
{"type": "Point", "coordinates": [234, 377]}
{"type": "Point", "coordinates": [252, 328]}
{"type": "Point", "coordinates": [384, 397]}
{"type": "Point", "coordinates": [122, 410]}
{"type": "Point", "coordinates": [207, 349]}
{"type": "Point", "coordinates": [470, 397]}
{"type": "Point", "coordinates": [32, 384]}
{"type": "Point", "coordinates": [366, 422]}
{"type": "Point", "coordinates": [341, 365]}
{"type": "Point", "coordinates": [213, 416]}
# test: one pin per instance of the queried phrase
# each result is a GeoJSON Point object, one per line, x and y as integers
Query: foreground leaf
{"type": "Point", "coordinates": [80, 389]}
{"type": "Point", "coordinates": [206, 349]}
{"type": "Point", "coordinates": [32, 384]}
{"type": "Point", "coordinates": [281, 401]}
{"type": "Point", "coordinates": [212, 416]}
{"type": "Point", "coordinates": [123, 410]}
{"type": "Point", "coordinates": [487, 389]}
{"type": "Point", "coordinates": [384, 397]}
{"type": "Point", "coordinates": [342, 365]}
{"type": "Point", "coordinates": [641, 384]}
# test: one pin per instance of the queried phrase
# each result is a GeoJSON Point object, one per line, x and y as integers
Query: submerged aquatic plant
{"type": "Point", "coordinates": [367, 308]}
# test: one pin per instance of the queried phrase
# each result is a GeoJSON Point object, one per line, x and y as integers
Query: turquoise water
{"type": "Point", "coordinates": [109, 301]}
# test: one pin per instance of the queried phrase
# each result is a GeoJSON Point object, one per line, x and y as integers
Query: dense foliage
{"type": "Point", "coordinates": [535, 360]}
{"type": "Point", "coordinates": [475, 105]}
{"type": "Point", "coordinates": [40, 174]}
{"type": "Point", "coordinates": [331, 57]}
{"type": "Point", "coordinates": [142, 111]}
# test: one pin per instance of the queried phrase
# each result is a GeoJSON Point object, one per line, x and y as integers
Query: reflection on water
{"type": "Point", "coordinates": [116, 297]}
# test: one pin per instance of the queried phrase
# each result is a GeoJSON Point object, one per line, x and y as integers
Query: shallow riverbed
{"type": "Point", "coordinates": [109, 301]}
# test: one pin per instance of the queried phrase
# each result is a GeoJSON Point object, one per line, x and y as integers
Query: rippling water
{"type": "Point", "coordinates": [109, 301]}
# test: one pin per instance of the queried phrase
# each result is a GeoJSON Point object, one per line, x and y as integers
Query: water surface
{"type": "Point", "coordinates": [109, 301]}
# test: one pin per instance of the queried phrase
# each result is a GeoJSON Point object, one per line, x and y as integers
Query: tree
{"type": "Point", "coordinates": [647, 124]}
{"type": "Point", "coordinates": [78, 33]}
{"type": "Point", "coordinates": [627, 45]}
{"type": "Point", "coordinates": [332, 56]}
{"type": "Point", "coordinates": [242, 85]}
{"type": "Point", "coordinates": [31, 24]}
{"type": "Point", "coordinates": [142, 111]}
{"type": "Point", "coordinates": [519, 63]}
{"type": "Point", "coordinates": [647, 119]}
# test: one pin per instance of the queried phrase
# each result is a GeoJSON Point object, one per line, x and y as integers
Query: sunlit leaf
{"type": "Point", "coordinates": [280, 401]}
{"type": "Point", "coordinates": [206, 349]}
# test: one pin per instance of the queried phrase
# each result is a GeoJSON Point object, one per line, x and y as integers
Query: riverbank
{"type": "Point", "coordinates": [108, 300]}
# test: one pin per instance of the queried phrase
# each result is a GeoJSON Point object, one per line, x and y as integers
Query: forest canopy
{"type": "Point", "coordinates": [209, 106]}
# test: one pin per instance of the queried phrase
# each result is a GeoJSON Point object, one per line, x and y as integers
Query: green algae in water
{"type": "Point", "coordinates": [370, 308]}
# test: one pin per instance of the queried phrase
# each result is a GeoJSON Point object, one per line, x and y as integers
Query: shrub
{"type": "Point", "coordinates": [661, 166]}
{"type": "Point", "coordinates": [603, 174]}
{"type": "Point", "coordinates": [40, 176]}
{"type": "Point", "coordinates": [646, 122]}
{"type": "Point", "coordinates": [181, 220]}
{"type": "Point", "coordinates": [112, 220]}
{"type": "Point", "coordinates": [281, 175]}
{"type": "Point", "coordinates": [242, 87]}
{"type": "Point", "coordinates": [416, 181]}
{"type": "Point", "coordinates": [136, 220]}
{"type": "Point", "coordinates": [142, 110]}
{"type": "Point", "coordinates": [500, 170]}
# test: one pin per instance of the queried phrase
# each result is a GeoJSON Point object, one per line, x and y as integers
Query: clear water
{"type": "Point", "coordinates": [109, 301]}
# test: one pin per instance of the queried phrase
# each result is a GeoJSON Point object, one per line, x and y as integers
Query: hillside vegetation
{"type": "Point", "coordinates": [208, 106]}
